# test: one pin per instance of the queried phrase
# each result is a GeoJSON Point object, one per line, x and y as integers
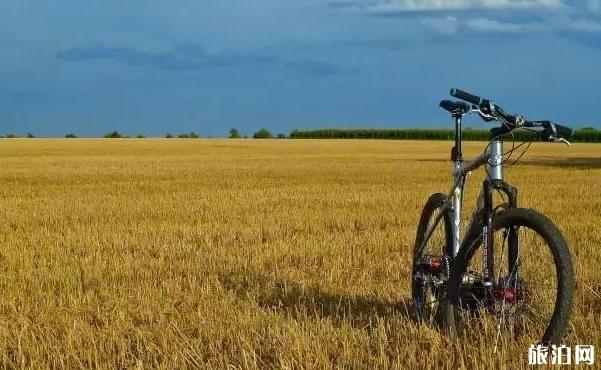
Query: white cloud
{"type": "Point", "coordinates": [397, 6]}
{"type": "Point", "coordinates": [446, 25]}
{"type": "Point", "coordinates": [492, 25]}
{"type": "Point", "coordinates": [550, 25]}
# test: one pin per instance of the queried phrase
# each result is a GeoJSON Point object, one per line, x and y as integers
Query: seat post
{"type": "Point", "coordinates": [458, 154]}
{"type": "Point", "coordinates": [457, 158]}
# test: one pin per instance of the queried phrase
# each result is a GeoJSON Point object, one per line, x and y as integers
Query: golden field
{"type": "Point", "coordinates": [169, 253]}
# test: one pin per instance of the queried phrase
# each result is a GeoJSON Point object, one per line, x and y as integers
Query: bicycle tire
{"type": "Point", "coordinates": [436, 202]}
{"type": "Point", "coordinates": [554, 240]}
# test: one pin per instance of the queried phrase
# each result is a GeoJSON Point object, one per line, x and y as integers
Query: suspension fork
{"type": "Point", "coordinates": [488, 242]}
{"type": "Point", "coordinates": [494, 172]}
{"type": "Point", "coordinates": [512, 238]}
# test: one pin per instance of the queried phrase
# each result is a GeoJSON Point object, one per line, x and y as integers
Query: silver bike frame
{"type": "Point", "coordinates": [492, 159]}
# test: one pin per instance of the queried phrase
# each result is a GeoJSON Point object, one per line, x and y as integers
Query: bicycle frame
{"type": "Point", "coordinates": [492, 159]}
{"type": "Point", "coordinates": [450, 282]}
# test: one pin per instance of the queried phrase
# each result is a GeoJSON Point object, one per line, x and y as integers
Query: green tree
{"type": "Point", "coordinates": [234, 134]}
{"type": "Point", "coordinates": [140, 136]}
{"type": "Point", "coordinates": [30, 135]}
{"type": "Point", "coordinates": [281, 136]}
{"type": "Point", "coordinates": [194, 135]}
{"type": "Point", "coordinates": [262, 134]}
{"type": "Point", "coordinates": [169, 135]}
{"type": "Point", "coordinates": [70, 136]}
{"type": "Point", "coordinates": [113, 135]}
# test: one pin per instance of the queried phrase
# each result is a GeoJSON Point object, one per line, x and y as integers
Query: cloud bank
{"type": "Point", "coordinates": [182, 58]}
{"type": "Point", "coordinates": [192, 57]}
{"type": "Point", "coordinates": [408, 6]}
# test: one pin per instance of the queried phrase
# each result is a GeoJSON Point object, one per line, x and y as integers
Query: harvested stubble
{"type": "Point", "coordinates": [241, 253]}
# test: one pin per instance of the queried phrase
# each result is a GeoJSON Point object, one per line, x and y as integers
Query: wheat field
{"type": "Point", "coordinates": [169, 253]}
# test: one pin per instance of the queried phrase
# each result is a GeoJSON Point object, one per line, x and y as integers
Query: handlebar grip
{"type": "Point", "coordinates": [459, 94]}
{"type": "Point", "coordinates": [548, 130]}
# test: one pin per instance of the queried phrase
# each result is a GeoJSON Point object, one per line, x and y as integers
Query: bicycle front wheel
{"type": "Point", "coordinates": [530, 300]}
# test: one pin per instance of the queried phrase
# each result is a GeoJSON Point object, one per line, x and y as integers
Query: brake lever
{"type": "Point", "coordinates": [485, 116]}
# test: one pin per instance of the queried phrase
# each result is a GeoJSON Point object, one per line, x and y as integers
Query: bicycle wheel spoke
{"type": "Point", "coordinates": [523, 296]}
{"type": "Point", "coordinates": [429, 269]}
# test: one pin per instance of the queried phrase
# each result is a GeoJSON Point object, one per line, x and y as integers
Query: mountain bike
{"type": "Point", "coordinates": [510, 276]}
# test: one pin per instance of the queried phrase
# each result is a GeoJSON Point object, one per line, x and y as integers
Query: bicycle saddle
{"type": "Point", "coordinates": [455, 107]}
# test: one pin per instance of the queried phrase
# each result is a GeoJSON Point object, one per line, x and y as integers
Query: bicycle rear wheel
{"type": "Point", "coordinates": [431, 259]}
{"type": "Point", "coordinates": [530, 301]}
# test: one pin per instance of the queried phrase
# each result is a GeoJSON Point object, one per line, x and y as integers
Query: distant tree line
{"type": "Point", "coordinates": [587, 135]}
{"type": "Point", "coordinates": [234, 134]}
{"type": "Point", "coordinates": [392, 134]}
{"type": "Point", "coordinates": [583, 135]}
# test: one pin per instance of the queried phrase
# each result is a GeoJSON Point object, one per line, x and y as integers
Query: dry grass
{"type": "Point", "coordinates": [217, 253]}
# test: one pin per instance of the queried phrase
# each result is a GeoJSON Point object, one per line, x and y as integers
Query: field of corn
{"type": "Point", "coordinates": [174, 253]}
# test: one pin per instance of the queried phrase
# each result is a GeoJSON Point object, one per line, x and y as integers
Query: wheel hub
{"type": "Point", "coordinates": [506, 294]}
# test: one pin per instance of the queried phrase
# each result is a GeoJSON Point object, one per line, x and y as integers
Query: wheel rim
{"type": "Point", "coordinates": [430, 269]}
{"type": "Point", "coordinates": [522, 301]}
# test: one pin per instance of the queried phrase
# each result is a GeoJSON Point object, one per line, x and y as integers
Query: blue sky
{"type": "Point", "coordinates": [151, 67]}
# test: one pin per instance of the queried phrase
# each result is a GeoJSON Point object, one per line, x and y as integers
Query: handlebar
{"type": "Point", "coordinates": [489, 111]}
{"type": "Point", "coordinates": [459, 94]}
